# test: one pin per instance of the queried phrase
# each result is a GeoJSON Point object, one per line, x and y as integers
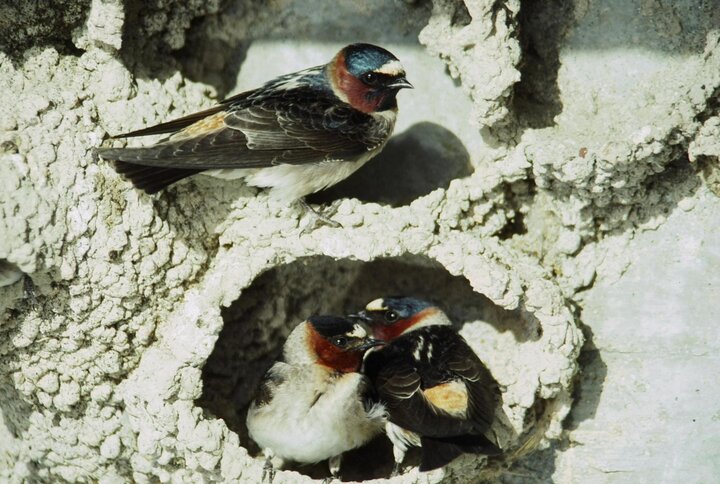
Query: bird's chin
{"type": "Point", "coordinates": [386, 100]}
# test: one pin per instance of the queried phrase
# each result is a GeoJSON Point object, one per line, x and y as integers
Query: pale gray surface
{"type": "Point", "coordinates": [594, 118]}
{"type": "Point", "coordinates": [656, 331]}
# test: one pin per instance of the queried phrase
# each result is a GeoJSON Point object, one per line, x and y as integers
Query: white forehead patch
{"type": "Point", "coordinates": [392, 68]}
{"type": "Point", "coordinates": [376, 305]}
{"type": "Point", "coordinates": [358, 332]}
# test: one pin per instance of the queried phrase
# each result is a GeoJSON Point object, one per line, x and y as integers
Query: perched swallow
{"type": "Point", "coordinates": [313, 404]}
{"type": "Point", "coordinates": [296, 135]}
{"type": "Point", "coordinates": [438, 394]}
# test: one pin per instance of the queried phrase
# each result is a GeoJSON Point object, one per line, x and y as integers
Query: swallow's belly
{"type": "Point", "coordinates": [309, 441]}
{"type": "Point", "coordinates": [291, 182]}
{"type": "Point", "coordinates": [304, 428]}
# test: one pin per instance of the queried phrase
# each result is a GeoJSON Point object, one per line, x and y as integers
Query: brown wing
{"type": "Point", "coordinates": [181, 123]}
{"type": "Point", "coordinates": [482, 390]}
{"type": "Point", "coordinates": [398, 385]}
{"type": "Point", "coordinates": [434, 384]}
{"type": "Point", "coordinates": [263, 135]}
{"type": "Point", "coordinates": [172, 126]}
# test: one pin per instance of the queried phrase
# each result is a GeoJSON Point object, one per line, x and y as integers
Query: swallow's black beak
{"type": "Point", "coordinates": [361, 316]}
{"type": "Point", "coordinates": [370, 343]}
{"type": "Point", "coordinates": [400, 83]}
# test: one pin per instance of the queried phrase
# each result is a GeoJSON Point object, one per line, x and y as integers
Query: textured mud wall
{"type": "Point", "coordinates": [555, 161]}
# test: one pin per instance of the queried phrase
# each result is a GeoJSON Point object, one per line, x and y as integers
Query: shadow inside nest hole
{"type": "Point", "coordinates": [421, 159]}
{"type": "Point", "coordinates": [258, 322]}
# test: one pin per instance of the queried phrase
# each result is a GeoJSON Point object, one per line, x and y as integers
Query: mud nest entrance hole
{"type": "Point", "coordinates": [258, 322]}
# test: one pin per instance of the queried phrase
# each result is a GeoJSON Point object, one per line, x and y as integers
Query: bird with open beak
{"type": "Point", "coordinates": [313, 404]}
{"type": "Point", "coordinates": [295, 135]}
{"type": "Point", "coordinates": [438, 394]}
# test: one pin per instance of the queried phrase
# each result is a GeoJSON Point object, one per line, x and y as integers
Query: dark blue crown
{"type": "Point", "coordinates": [406, 306]}
{"type": "Point", "coordinates": [362, 58]}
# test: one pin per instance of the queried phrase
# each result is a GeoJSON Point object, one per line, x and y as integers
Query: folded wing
{"type": "Point", "coordinates": [294, 128]}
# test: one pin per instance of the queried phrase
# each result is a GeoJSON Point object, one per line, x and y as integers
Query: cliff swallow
{"type": "Point", "coordinates": [296, 135]}
{"type": "Point", "coordinates": [313, 404]}
{"type": "Point", "coordinates": [439, 395]}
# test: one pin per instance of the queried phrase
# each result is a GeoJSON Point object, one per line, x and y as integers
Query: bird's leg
{"type": "Point", "coordinates": [268, 474]}
{"type": "Point", "coordinates": [29, 291]}
{"type": "Point", "coordinates": [399, 454]}
{"type": "Point", "coordinates": [334, 464]}
{"type": "Point", "coordinates": [319, 218]}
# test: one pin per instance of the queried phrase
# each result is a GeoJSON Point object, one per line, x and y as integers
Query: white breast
{"type": "Point", "coordinates": [292, 182]}
{"type": "Point", "coordinates": [298, 425]}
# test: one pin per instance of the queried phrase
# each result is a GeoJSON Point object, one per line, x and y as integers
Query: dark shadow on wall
{"type": "Point", "coordinates": [40, 23]}
{"type": "Point", "coordinates": [424, 158]}
{"type": "Point", "coordinates": [258, 322]}
{"type": "Point", "coordinates": [537, 468]}
{"type": "Point", "coordinates": [152, 34]}
{"type": "Point", "coordinates": [15, 410]}
{"type": "Point", "coordinates": [15, 417]}
{"type": "Point", "coordinates": [589, 385]}
{"type": "Point", "coordinates": [542, 26]}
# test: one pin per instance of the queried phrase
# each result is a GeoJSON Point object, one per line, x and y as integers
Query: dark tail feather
{"type": "Point", "coordinates": [474, 444]}
{"type": "Point", "coordinates": [152, 179]}
{"type": "Point", "coordinates": [437, 452]}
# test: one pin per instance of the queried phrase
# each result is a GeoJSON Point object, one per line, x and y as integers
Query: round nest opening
{"type": "Point", "coordinates": [258, 322]}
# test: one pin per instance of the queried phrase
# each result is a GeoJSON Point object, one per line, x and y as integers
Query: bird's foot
{"type": "Point", "coordinates": [29, 291]}
{"type": "Point", "coordinates": [397, 470]}
{"type": "Point", "coordinates": [320, 218]}
{"type": "Point", "coordinates": [268, 474]}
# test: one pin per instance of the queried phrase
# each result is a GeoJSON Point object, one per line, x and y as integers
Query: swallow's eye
{"type": "Point", "coordinates": [340, 341]}
{"type": "Point", "coordinates": [370, 78]}
{"type": "Point", "coordinates": [391, 316]}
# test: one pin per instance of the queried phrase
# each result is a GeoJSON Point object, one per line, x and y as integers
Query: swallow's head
{"type": "Point", "coordinates": [367, 77]}
{"type": "Point", "coordinates": [337, 343]}
{"type": "Point", "coordinates": [391, 317]}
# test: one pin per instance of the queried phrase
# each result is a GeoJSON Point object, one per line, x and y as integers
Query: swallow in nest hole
{"type": "Point", "coordinates": [437, 392]}
{"type": "Point", "coordinates": [313, 404]}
